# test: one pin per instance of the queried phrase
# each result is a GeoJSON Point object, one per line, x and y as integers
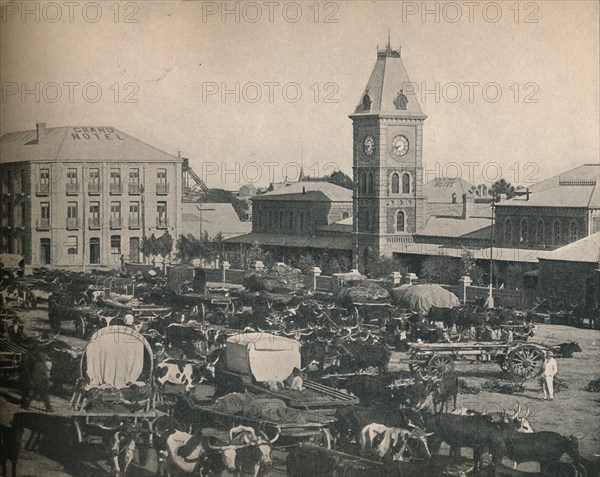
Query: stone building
{"type": "Point", "coordinates": [85, 196]}
{"type": "Point", "coordinates": [570, 275]}
{"type": "Point", "coordinates": [555, 212]}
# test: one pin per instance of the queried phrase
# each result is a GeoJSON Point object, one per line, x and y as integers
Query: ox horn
{"type": "Point", "coordinates": [527, 413]}
{"type": "Point", "coordinates": [239, 429]}
{"type": "Point", "coordinates": [517, 412]}
{"type": "Point", "coordinates": [271, 441]}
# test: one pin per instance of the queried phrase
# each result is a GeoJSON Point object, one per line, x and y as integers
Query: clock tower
{"type": "Point", "coordinates": [389, 206]}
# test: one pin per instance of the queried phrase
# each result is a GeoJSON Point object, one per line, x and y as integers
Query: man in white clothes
{"type": "Point", "coordinates": [550, 370]}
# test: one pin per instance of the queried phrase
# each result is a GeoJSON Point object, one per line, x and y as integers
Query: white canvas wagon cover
{"type": "Point", "coordinates": [265, 356]}
{"type": "Point", "coordinates": [114, 358]}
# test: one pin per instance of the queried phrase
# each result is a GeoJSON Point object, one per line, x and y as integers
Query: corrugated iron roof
{"type": "Point", "coordinates": [308, 191]}
{"type": "Point", "coordinates": [567, 195]}
{"type": "Point", "coordinates": [75, 143]}
{"type": "Point", "coordinates": [212, 219]}
{"type": "Point", "coordinates": [585, 250]}
{"type": "Point", "coordinates": [341, 242]}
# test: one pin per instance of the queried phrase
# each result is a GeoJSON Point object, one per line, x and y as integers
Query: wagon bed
{"type": "Point", "coordinates": [434, 359]}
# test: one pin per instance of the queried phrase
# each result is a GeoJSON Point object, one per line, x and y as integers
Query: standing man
{"type": "Point", "coordinates": [550, 370]}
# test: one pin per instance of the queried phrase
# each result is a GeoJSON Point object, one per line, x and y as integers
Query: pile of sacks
{"type": "Point", "coordinates": [364, 293]}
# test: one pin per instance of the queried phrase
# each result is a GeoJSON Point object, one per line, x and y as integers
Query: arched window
{"type": "Point", "coordinates": [291, 219]}
{"type": "Point", "coordinates": [406, 183]}
{"type": "Point", "coordinates": [367, 226]}
{"type": "Point", "coordinates": [270, 218]}
{"type": "Point", "coordinates": [280, 224]}
{"type": "Point", "coordinates": [539, 232]}
{"type": "Point", "coordinates": [573, 231]}
{"type": "Point", "coordinates": [524, 230]}
{"type": "Point", "coordinates": [363, 183]}
{"type": "Point", "coordinates": [370, 183]}
{"type": "Point", "coordinates": [400, 219]}
{"type": "Point", "coordinates": [395, 183]}
{"type": "Point", "coordinates": [508, 230]}
{"type": "Point", "coordinates": [556, 232]}
{"type": "Point", "coordinates": [301, 220]}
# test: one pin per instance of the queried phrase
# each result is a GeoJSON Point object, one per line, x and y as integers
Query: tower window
{"type": "Point", "coordinates": [573, 231]}
{"type": "Point", "coordinates": [395, 183]}
{"type": "Point", "coordinates": [363, 183]}
{"type": "Point", "coordinates": [370, 183]}
{"type": "Point", "coordinates": [406, 183]}
{"type": "Point", "coordinates": [400, 221]}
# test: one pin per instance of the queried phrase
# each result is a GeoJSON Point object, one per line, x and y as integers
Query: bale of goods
{"type": "Point", "coordinates": [504, 387]}
{"type": "Point", "coordinates": [593, 386]}
{"type": "Point", "coordinates": [279, 278]}
{"type": "Point", "coordinates": [365, 293]}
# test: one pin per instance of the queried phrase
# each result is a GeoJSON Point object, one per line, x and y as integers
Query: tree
{"type": "Point", "coordinates": [470, 268]}
{"type": "Point", "coordinates": [503, 187]}
{"type": "Point", "coordinates": [445, 270]}
{"type": "Point", "coordinates": [148, 246]}
{"type": "Point", "coordinates": [256, 253]}
{"type": "Point", "coordinates": [164, 244]}
{"type": "Point", "coordinates": [306, 263]}
{"type": "Point", "coordinates": [340, 178]}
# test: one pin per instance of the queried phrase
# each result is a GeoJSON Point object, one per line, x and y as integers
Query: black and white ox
{"type": "Point", "coordinates": [184, 372]}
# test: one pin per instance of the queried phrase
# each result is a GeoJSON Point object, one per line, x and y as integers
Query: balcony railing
{"type": "Point", "coordinates": [73, 188]}
{"type": "Point", "coordinates": [42, 189]}
{"type": "Point", "coordinates": [162, 222]}
{"type": "Point", "coordinates": [72, 223]}
{"type": "Point", "coordinates": [134, 188]}
{"type": "Point", "coordinates": [115, 222]}
{"type": "Point", "coordinates": [94, 223]}
{"type": "Point", "coordinates": [162, 189]}
{"type": "Point", "coordinates": [134, 223]}
{"type": "Point", "coordinates": [94, 188]}
{"type": "Point", "coordinates": [42, 224]}
{"type": "Point", "coordinates": [116, 188]}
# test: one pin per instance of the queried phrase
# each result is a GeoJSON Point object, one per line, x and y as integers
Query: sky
{"type": "Point", "coordinates": [250, 91]}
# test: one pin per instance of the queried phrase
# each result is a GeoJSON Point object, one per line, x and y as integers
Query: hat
{"type": "Point", "coordinates": [549, 353]}
{"type": "Point", "coordinates": [129, 319]}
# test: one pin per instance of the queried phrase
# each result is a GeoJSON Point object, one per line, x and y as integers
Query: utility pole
{"type": "Point", "coordinates": [493, 206]}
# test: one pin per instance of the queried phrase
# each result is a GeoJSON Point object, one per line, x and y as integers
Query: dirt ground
{"type": "Point", "coordinates": [574, 410]}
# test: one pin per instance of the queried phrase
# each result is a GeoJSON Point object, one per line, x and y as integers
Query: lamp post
{"type": "Point", "coordinates": [493, 206]}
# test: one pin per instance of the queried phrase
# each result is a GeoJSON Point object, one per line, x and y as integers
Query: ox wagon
{"type": "Point", "coordinates": [261, 362]}
{"type": "Point", "coordinates": [115, 387]}
{"type": "Point", "coordinates": [434, 359]}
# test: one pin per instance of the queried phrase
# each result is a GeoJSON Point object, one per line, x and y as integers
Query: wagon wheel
{"type": "Point", "coordinates": [503, 362]}
{"type": "Point", "coordinates": [55, 322]}
{"type": "Point", "coordinates": [80, 327]}
{"type": "Point", "coordinates": [418, 368]}
{"type": "Point", "coordinates": [355, 312]}
{"type": "Point", "coordinates": [323, 439]}
{"type": "Point", "coordinates": [78, 435]}
{"type": "Point", "coordinates": [526, 361]}
{"type": "Point", "coordinates": [439, 365]}
{"type": "Point", "coordinates": [202, 311]}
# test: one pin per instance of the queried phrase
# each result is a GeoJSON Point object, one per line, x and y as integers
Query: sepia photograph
{"type": "Point", "coordinates": [301, 238]}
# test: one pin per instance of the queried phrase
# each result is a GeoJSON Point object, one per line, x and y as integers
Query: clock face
{"type": "Point", "coordinates": [399, 146]}
{"type": "Point", "coordinates": [369, 145]}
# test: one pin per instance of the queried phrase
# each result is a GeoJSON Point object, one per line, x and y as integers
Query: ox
{"type": "Point", "coordinates": [444, 390]}
{"type": "Point", "coordinates": [566, 350]}
{"type": "Point", "coordinates": [120, 445]}
{"type": "Point", "coordinates": [9, 450]}
{"type": "Point", "coordinates": [34, 375]}
{"type": "Point", "coordinates": [188, 373]}
{"type": "Point", "coordinates": [361, 356]}
{"type": "Point", "coordinates": [187, 337]}
{"type": "Point", "coordinates": [546, 448]}
{"type": "Point", "coordinates": [389, 443]}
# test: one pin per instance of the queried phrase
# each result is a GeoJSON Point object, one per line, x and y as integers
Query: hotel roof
{"type": "Point", "coordinates": [308, 191]}
{"type": "Point", "coordinates": [77, 144]}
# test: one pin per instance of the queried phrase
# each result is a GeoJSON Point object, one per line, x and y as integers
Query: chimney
{"type": "Point", "coordinates": [468, 206]}
{"type": "Point", "coordinates": [41, 131]}
{"type": "Point", "coordinates": [303, 190]}
{"type": "Point", "coordinates": [527, 194]}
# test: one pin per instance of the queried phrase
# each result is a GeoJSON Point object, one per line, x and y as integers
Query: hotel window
{"type": "Point", "coordinates": [9, 182]}
{"type": "Point", "coordinates": [134, 214]}
{"type": "Point", "coordinates": [45, 215]}
{"type": "Point", "coordinates": [72, 215]}
{"type": "Point", "coordinates": [301, 220]}
{"type": "Point", "coordinates": [161, 214]}
{"type": "Point", "coordinates": [94, 177]}
{"type": "Point", "coordinates": [115, 244]}
{"type": "Point", "coordinates": [94, 219]}
{"type": "Point", "coordinates": [406, 183]}
{"type": "Point", "coordinates": [291, 219]}
{"type": "Point", "coordinates": [573, 231]}
{"type": "Point", "coordinates": [345, 215]}
{"type": "Point", "coordinates": [134, 180]}
{"type": "Point", "coordinates": [524, 230]}
{"type": "Point", "coordinates": [370, 183]}
{"type": "Point", "coordinates": [508, 231]}
{"type": "Point", "coordinates": [23, 180]}
{"type": "Point", "coordinates": [395, 183]}
{"type": "Point", "coordinates": [400, 219]}
{"type": "Point", "coordinates": [161, 181]}
{"type": "Point", "coordinates": [44, 181]}
{"type": "Point", "coordinates": [556, 232]}
{"type": "Point", "coordinates": [540, 231]}
{"type": "Point", "coordinates": [270, 219]}
{"type": "Point", "coordinates": [115, 181]}
{"type": "Point", "coordinates": [72, 245]}
{"type": "Point", "coordinates": [18, 215]}
{"type": "Point", "coordinates": [280, 221]}
{"type": "Point", "coordinates": [72, 185]}
{"type": "Point", "coordinates": [115, 214]}
{"type": "Point", "coordinates": [367, 226]}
